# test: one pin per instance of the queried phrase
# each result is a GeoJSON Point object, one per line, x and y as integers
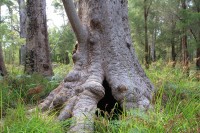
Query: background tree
{"type": "Point", "coordinates": [3, 71]}
{"type": "Point", "coordinates": [184, 45]}
{"type": "Point", "coordinates": [104, 62]}
{"type": "Point", "coordinates": [37, 54]}
{"type": "Point", "coordinates": [194, 26]}
{"type": "Point", "coordinates": [22, 16]}
{"type": "Point", "coordinates": [147, 5]}
{"type": "Point", "coordinates": [145, 25]}
{"type": "Point", "coordinates": [61, 42]}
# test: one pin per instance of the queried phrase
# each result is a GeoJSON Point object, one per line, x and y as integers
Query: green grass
{"type": "Point", "coordinates": [176, 105]}
{"type": "Point", "coordinates": [16, 85]}
{"type": "Point", "coordinates": [13, 87]}
{"type": "Point", "coordinates": [18, 121]}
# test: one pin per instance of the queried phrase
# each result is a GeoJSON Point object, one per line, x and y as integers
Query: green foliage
{"type": "Point", "coordinates": [61, 70]}
{"type": "Point", "coordinates": [167, 19]}
{"type": "Point", "coordinates": [61, 41]}
{"type": "Point", "coordinates": [6, 2]}
{"type": "Point", "coordinates": [57, 4]}
{"type": "Point", "coordinates": [9, 38]}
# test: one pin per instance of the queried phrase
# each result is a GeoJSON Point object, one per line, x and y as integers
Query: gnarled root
{"type": "Point", "coordinates": [79, 97]}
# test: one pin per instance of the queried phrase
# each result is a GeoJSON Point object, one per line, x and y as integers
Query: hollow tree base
{"type": "Point", "coordinates": [104, 64]}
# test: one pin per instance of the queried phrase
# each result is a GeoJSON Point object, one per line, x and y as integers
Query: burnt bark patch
{"type": "Point", "coordinates": [30, 60]}
{"type": "Point", "coordinates": [108, 104]}
{"type": "Point", "coordinates": [95, 23]}
{"type": "Point", "coordinates": [1, 71]}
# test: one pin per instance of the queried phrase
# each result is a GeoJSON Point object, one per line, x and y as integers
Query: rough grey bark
{"type": "Point", "coordinates": [37, 48]}
{"type": "Point", "coordinates": [3, 71]}
{"type": "Point", "coordinates": [22, 54]}
{"type": "Point", "coordinates": [22, 14]}
{"type": "Point", "coordinates": [104, 55]}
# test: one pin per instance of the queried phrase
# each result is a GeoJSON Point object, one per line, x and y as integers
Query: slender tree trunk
{"type": "Point", "coordinates": [23, 16]}
{"type": "Point", "coordinates": [173, 52]}
{"type": "Point", "coordinates": [146, 35]}
{"type": "Point", "coordinates": [104, 60]}
{"type": "Point", "coordinates": [37, 49]}
{"type": "Point", "coordinates": [197, 3]}
{"type": "Point", "coordinates": [196, 34]}
{"type": "Point", "coordinates": [3, 71]}
{"type": "Point", "coordinates": [198, 51]}
{"type": "Point", "coordinates": [153, 50]}
{"type": "Point", "coordinates": [198, 58]}
{"type": "Point", "coordinates": [185, 54]}
{"type": "Point", "coordinates": [23, 25]}
{"type": "Point", "coordinates": [12, 47]}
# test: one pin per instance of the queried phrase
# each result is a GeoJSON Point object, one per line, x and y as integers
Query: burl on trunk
{"type": "Point", "coordinates": [104, 54]}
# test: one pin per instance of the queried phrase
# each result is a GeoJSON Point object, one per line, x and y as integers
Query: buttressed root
{"type": "Point", "coordinates": [79, 102]}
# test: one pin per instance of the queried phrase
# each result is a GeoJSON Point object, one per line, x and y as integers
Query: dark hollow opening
{"type": "Point", "coordinates": [108, 104]}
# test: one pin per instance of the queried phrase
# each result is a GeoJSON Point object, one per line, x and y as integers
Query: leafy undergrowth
{"type": "Point", "coordinates": [176, 105]}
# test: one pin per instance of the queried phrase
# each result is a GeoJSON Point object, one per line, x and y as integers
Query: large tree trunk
{"type": "Point", "coordinates": [2, 65]}
{"type": "Point", "coordinates": [37, 49]}
{"type": "Point", "coordinates": [104, 59]}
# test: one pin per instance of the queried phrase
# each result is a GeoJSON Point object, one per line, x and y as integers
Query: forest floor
{"type": "Point", "coordinates": [176, 103]}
